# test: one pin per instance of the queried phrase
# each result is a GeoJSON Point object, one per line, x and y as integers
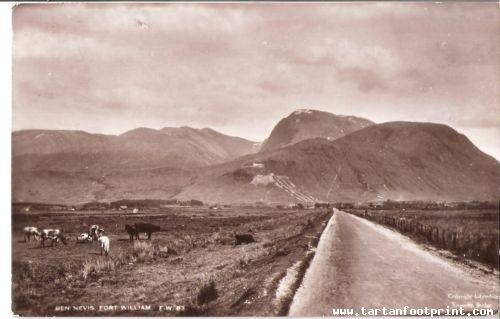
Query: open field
{"type": "Point", "coordinates": [471, 234]}
{"type": "Point", "coordinates": [192, 263]}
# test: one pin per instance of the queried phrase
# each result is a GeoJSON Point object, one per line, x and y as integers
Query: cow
{"type": "Point", "coordinates": [100, 232]}
{"type": "Point", "coordinates": [132, 232]}
{"type": "Point", "coordinates": [243, 239]}
{"type": "Point", "coordinates": [84, 238]}
{"type": "Point", "coordinates": [146, 228]}
{"type": "Point", "coordinates": [31, 231]}
{"type": "Point", "coordinates": [54, 235]}
{"type": "Point", "coordinates": [104, 244]}
{"type": "Point", "coordinates": [95, 232]}
{"type": "Point", "coordinates": [58, 238]}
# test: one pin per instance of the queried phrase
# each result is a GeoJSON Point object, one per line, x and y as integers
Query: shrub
{"type": "Point", "coordinates": [143, 251]}
{"type": "Point", "coordinates": [95, 267]}
{"type": "Point", "coordinates": [207, 293]}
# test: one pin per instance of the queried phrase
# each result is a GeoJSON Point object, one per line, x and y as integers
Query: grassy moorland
{"type": "Point", "coordinates": [191, 267]}
{"type": "Point", "coordinates": [468, 233]}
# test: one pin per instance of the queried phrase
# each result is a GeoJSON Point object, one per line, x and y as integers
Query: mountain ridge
{"type": "Point", "coordinates": [393, 160]}
{"type": "Point", "coordinates": [307, 123]}
{"type": "Point", "coordinates": [375, 163]}
{"type": "Point", "coordinates": [175, 147]}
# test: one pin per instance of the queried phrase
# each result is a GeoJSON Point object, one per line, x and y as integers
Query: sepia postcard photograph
{"type": "Point", "coordinates": [253, 159]}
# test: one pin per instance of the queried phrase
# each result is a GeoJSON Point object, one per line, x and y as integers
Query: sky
{"type": "Point", "coordinates": [240, 67]}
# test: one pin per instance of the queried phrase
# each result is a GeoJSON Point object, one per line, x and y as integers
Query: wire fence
{"type": "Point", "coordinates": [479, 246]}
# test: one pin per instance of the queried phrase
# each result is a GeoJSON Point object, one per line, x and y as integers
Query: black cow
{"type": "Point", "coordinates": [146, 228]}
{"type": "Point", "coordinates": [243, 239]}
{"type": "Point", "coordinates": [132, 232]}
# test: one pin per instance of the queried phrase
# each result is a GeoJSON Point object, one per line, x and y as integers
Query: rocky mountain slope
{"type": "Point", "coordinates": [306, 124]}
{"type": "Point", "coordinates": [397, 160]}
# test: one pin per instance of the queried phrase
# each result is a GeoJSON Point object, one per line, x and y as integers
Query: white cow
{"type": "Point", "coordinates": [31, 231]}
{"type": "Point", "coordinates": [84, 238]}
{"type": "Point", "coordinates": [53, 234]}
{"type": "Point", "coordinates": [104, 244]}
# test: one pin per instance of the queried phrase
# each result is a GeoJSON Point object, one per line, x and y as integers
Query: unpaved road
{"type": "Point", "coordinates": [362, 264]}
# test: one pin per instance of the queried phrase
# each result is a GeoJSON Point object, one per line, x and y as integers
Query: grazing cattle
{"type": "Point", "coordinates": [243, 239]}
{"type": "Point", "coordinates": [30, 231]}
{"type": "Point", "coordinates": [146, 228]}
{"type": "Point", "coordinates": [58, 238]}
{"type": "Point", "coordinates": [100, 232]}
{"type": "Point", "coordinates": [95, 232]}
{"type": "Point", "coordinates": [132, 232]}
{"type": "Point", "coordinates": [104, 244]}
{"type": "Point", "coordinates": [54, 235]}
{"type": "Point", "coordinates": [84, 238]}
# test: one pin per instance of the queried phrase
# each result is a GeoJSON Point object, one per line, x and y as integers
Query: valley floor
{"type": "Point", "coordinates": [171, 274]}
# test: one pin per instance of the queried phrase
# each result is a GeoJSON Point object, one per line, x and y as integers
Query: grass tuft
{"type": "Point", "coordinates": [143, 251]}
{"type": "Point", "coordinates": [207, 293]}
{"type": "Point", "coordinates": [92, 268]}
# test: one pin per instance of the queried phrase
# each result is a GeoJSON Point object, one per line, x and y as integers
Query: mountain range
{"type": "Point", "coordinates": [309, 156]}
{"type": "Point", "coordinates": [139, 148]}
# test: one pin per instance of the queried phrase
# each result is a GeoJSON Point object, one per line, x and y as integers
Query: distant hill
{"type": "Point", "coordinates": [76, 166]}
{"type": "Point", "coordinates": [140, 148]}
{"type": "Point", "coordinates": [397, 160]}
{"type": "Point", "coordinates": [307, 124]}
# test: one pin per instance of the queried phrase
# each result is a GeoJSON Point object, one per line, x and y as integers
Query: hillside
{"type": "Point", "coordinates": [307, 124]}
{"type": "Point", "coordinates": [140, 148]}
{"type": "Point", "coordinates": [397, 160]}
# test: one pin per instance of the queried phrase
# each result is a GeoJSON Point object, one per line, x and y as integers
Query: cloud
{"type": "Point", "coordinates": [240, 67]}
{"type": "Point", "coordinates": [32, 43]}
